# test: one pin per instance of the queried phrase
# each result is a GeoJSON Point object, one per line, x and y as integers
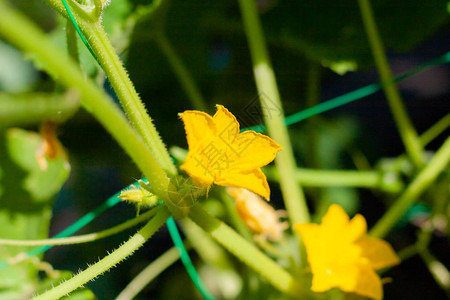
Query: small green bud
{"type": "Point", "coordinates": [138, 196]}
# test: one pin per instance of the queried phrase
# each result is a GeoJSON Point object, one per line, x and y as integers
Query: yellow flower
{"type": "Point", "coordinates": [219, 154]}
{"type": "Point", "coordinates": [259, 216]}
{"type": "Point", "coordinates": [342, 255]}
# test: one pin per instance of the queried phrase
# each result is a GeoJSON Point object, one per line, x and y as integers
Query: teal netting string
{"type": "Point", "coordinates": [352, 96]}
{"type": "Point", "coordinates": [77, 225]}
{"type": "Point", "coordinates": [186, 260]}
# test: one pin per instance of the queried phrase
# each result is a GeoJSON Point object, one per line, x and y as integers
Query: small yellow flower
{"type": "Point", "coordinates": [259, 216]}
{"type": "Point", "coordinates": [219, 154]}
{"type": "Point", "coordinates": [342, 255]}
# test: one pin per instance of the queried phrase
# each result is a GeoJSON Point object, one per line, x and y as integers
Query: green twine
{"type": "Point", "coordinates": [77, 225]}
{"type": "Point", "coordinates": [74, 22]}
{"type": "Point", "coordinates": [186, 260]}
{"type": "Point", "coordinates": [352, 96]}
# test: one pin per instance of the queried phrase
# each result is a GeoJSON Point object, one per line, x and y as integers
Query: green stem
{"type": "Point", "coordinates": [273, 113]}
{"type": "Point", "coordinates": [127, 94]}
{"type": "Point", "coordinates": [404, 124]}
{"type": "Point", "coordinates": [72, 46]}
{"type": "Point", "coordinates": [34, 108]}
{"type": "Point", "coordinates": [82, 238]}
{"type": "Point", "coordinates": [407, 252]}
{"type": "Point", "coordinates": [149, 273]}
{"type": "Point", "coordinates": [322, 178]}
{"type": "Point", "coordinates": [246, 252]}
{"type": "Point", "coordinates": [426, 176]}
{"type": "Point", "coordinates": [110, 260]}
{"type": "Point", "coordinates": [435, 130]}
{"type": "Point", "coordinates": [24, 34]}
{"type": "Point", "coordinates": [184, 77]}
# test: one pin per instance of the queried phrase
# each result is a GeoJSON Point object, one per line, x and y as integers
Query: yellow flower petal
{"type": "Point", "coordinates": [228, 126]}
{"type": "Point", "coordinates": [219, 154]}
{"type": "Point", "coordinates": [254, 181]}
{"type": "Point", "coordinates": [255, 149]}
{"type": "Point", "coordinates": [335, 216]}
{"type": "Point", "coordinates": [379, 253]}
{"type": "Point", "coordinates": [197, 171]}
{"type": "Point", "coordinates": [368, 283]}
{"type": "Point", "coordinates": [357, 228]}
{"type": "Point", "coordinates": [198, 126]}
{"type": "Point", "coordinates": [257, 214]}
{"type": "Point", "coordinates": [341, 255]}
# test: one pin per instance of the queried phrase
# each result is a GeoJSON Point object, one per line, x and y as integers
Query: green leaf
{"type": "Point", "coordinates": [26, 198]}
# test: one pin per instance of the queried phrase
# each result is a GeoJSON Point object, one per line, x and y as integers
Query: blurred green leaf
{"type": "Point", "coordinates": [16, 74]}
{"type": "Point", "coordinates": [26, 198]}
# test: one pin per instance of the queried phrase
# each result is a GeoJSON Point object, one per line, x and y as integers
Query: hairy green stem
{"type": "Point", "coordinates": [122, 85]}
{"type": "Point", "coordinates": [82, 238]}
{"type": "Point", "coordinates": [35, 108]}
{"type": "Point", "coordinates": [246, 252]}
{"type": "Point", "coordinates": [127, 94]}
{"type": "Point", "coordinates": [181, 72]}
{"type": "Point", "coordinates": [24, 34]}
{"type": "Point", "coordinates": [427, 175]}
{"type": "Point", "coordinates": [404, 124]}
{"type": "Point", "coordinates": [273, 113]}
{"type": "Point", "coordinates": [109, 261]}
{"type": "Point", "coordinates": [149, 273]}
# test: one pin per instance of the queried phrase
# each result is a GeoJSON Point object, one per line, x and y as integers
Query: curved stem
{"type": "Point", "coordinates": [404, 124]}
{"type": "Point", "coordinates": [438, 163]}
{"type": "Point", "coordinates": [293, 195]}
{"type": "Point", "coordinates": [111, 260]}
{"type": "Point", "coordinates": [130, 100]}
{"type": "Point", "coordinates": [149, 273]}
{"type": "Point", "coordinates": [82, 238]}
{"type": "Point", "coordinates": [181, 72]}
{"type": "Point", "coordinates": [104, 52]}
